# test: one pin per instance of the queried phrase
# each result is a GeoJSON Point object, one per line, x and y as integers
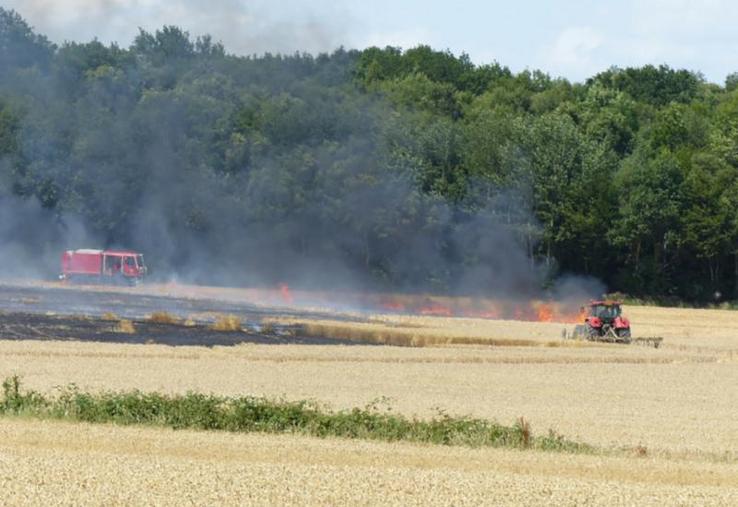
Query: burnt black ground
{"type": "Point", "coordinates": [33, 313]}
{"type": "Point", "coordinates": [26, 326]}
{"type": "Point", "coordinates": [134, 305]}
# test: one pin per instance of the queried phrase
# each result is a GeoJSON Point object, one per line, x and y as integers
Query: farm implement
{"type": "Point", "coordinates": [605, 322]}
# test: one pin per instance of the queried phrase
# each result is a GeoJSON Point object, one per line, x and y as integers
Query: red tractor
{"type": "Point", "coordinates": [604, 321]}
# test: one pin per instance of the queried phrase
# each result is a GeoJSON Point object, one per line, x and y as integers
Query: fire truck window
{"type": "Point", "coordinates": [130, 262]}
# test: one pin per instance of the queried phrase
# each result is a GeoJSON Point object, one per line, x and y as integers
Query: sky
{"type": "Point", "coordinates": [574, 39]}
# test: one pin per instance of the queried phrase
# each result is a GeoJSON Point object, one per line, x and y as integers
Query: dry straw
{"type": "Point", "coordinates": [163, 318]}
{"type": "Point", "coordinates": [227, 323]}
{"type": "Point", "coordinates": [125, 326]}
{"type": "Point", "coordinates": [408, 334]}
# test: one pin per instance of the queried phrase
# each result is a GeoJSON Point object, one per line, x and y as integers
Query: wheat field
{"type": "Point", "coordinates": [664, 418]}
{"type": "Point", "coordinates": [666, 400]}
{"type": "Point", "coordinates": [104, 465]}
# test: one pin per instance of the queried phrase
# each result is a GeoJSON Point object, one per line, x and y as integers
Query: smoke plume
{"type": "Point", "coordinates": [245, 26]}
{"type": "Point", "coordinates": [235, 171]}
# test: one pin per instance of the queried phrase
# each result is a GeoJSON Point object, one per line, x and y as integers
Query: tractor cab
{"type": "Point", "coordinates": [607, 311]}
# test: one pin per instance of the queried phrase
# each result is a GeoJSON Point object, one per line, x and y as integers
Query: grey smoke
{"type": "Point", "coordinates": [244, 26]}
{"type": "Point", "coordinates": [324, 214]}
{"type": "Point", "coordinates": [32, 238]}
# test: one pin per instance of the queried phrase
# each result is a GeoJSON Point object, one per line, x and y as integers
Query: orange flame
{"type": "Point", "coordinates": [284, 291]}
{"type": "Point", "coordinates": [490, 313]}
{"type": "Point", "coordinates": [545, 313]}
{"type": "Point", "coordinates": [393, 306]}
{"type": "Point", "coordinates": [582, 316]}
{"type": "Point", "coordinates": [437, 310]}
{"type": "Point", "coordinates": [430, 305]}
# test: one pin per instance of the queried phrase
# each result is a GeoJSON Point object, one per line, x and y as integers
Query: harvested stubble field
{"type": "Point", "coordinates": [665, 418]}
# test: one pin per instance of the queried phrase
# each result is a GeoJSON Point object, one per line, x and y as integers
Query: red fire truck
{"type": "Point", "coordinates": [103, 266]}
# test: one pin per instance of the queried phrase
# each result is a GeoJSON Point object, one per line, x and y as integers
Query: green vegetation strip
{"type": "Point", "coordinates": [252, 414]}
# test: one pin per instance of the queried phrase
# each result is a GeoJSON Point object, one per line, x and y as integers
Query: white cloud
{"type": "Point", "coordinates": [400, 38]}
{"type": "Point", "coordinates": [698, 35]}
{"type": "Point", "coordinates": [695, 34]}
{"type": "Point", "coordinates": [573, 51]}
{"type": "Point", "coordinates": [680, 19]}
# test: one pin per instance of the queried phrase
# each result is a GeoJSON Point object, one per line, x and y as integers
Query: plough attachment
{"type": "Point", "coordinates": [609, 335]}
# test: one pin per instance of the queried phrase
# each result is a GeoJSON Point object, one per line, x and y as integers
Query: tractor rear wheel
{"type": "Point", "coordinates": [592, 332]}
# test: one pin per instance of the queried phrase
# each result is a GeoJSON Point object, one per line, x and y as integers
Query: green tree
{"type": "Point", "coordinates": [9, 127]}
{"type": "Point", "coordinates": [610, 117]}
{"type": "Point", "coordinates": [731, 81]}
{"type": "Point", "coordinates": [20, 47]}
{"type": "Point", "coordinates": [708, 215]}
{"type": "Point", "coordinates": [648, 189]}
{"type": "Point", "coordinates": [572, 194]}
{"type": "Point", "coordinates": [657, 86]}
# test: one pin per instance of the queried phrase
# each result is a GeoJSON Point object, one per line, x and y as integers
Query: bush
{"type": "Point", "coordinates": [253, 414]}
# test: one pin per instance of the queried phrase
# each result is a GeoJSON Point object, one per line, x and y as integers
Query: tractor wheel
{"type": "Point", "coordinates": [592, 333]}
{"type": "Point", "coordinates": [624, 333]}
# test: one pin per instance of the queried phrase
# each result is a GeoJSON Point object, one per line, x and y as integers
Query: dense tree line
{"type": "Point", "coordinates": [412, 168]}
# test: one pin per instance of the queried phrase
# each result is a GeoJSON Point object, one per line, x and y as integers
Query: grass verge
{"type": "Point", "coordinates": [253, 414]}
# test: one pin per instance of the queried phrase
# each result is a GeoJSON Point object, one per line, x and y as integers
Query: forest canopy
{"type": "Point", "coordinates": [409, 169]}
